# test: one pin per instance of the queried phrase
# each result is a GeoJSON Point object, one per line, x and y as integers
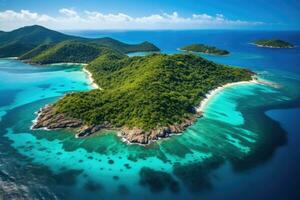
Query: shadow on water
{"type": "Point", "coordinates": [198, 176]}
{"type": "Point", "coordinates": [273, 136]}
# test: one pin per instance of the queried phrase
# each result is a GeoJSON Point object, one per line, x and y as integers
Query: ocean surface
{"type": "Point", "coordinates": [245, 147]}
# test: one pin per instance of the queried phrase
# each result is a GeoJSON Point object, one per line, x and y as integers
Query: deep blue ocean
{"type": "Point", "coordinates": [245, 147]}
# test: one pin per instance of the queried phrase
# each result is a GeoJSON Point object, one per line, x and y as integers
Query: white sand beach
{"type": "Point", "coordinates": [214, 92]}
{"type": "Point", "coordinates": [89, 74]}
{"type": "Point", "coordinates": [91, 80]}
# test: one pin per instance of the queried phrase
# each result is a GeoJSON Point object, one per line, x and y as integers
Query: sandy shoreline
{"type": "Point", "coordinates": [10, 58]}
{"type": "Point", "coordinates": [91, 80]}
{"type": "Point", "coordinates": [212, 93]}
{"type": "Point", "coordinates": [89, 74]}
{"type": "Point", "coordinates": [68, 63]}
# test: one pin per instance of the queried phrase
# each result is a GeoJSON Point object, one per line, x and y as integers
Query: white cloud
{"type": "Point", "coordinates": [68, 12]}
{"type": "Point", "coordinates": [70, 19]}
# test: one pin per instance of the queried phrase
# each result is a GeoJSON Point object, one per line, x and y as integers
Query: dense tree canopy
{"type": "Point", "coordinates": [147, 92]}
{"type": "Point", "coordinates": [20, 41]}
{"type": "Point", "coordinates": [68, 51]}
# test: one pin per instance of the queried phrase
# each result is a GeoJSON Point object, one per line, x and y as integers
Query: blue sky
{"type": "Point", "coordinates": [152, 14]}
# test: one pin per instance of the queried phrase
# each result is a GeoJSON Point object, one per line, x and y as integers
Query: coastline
{"type": "Point", "coordinates": [68, 63]}
{"type": "Point", "coordinates": [90, 77]}
{"type": "Point", "coordinates": [10, 58]}
{"type": "Point", "coordinates": [210, 95]}
{"type": "Point", "coordinates": [88, 73]}
{"type": "Point", "coordinates": [138, 136]}
{"type": "Point", "coordinates": [47, 120]}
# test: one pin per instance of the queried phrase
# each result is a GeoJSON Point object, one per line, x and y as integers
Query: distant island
{"type": "Point", "coordinates": [28, 42]}
{"type": "Point", "coordinates": [143, 98]}
{"type": "Point", "coordinates": [273, 43]}
{"type": "Point", "coordinates": [204, 49]}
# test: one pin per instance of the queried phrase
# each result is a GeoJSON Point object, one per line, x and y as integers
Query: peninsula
{"type": "Point", "coordinates": [273, 43]}
{"type": "Point", "coordinates": [204, 49]}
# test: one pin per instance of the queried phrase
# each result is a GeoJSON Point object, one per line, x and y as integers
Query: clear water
{"type": "Point", "coordinates": [245, 146]}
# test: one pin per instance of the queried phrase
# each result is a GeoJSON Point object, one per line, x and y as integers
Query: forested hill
{"type": "Point", "coordinates": [147, 92]}
{"type": "Point", "coordinates": [20, 41]}
{"type": "Point", "coordinates": [34, 35]}
{"type": "Point", "coordinates": [66, 51]}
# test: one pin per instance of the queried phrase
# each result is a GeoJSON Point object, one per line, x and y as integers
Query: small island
{"type": "Point", "coordinates": [273, 43]}
{"type": "Point", "coordinates": [204, 49]}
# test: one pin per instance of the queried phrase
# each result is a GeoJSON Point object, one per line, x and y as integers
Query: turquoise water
{"type": "Point", "coordinates": [237, 137]}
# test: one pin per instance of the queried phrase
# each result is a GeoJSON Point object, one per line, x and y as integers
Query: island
{"type": "Point", "coordinates": [204, 49]}
{"type": "Point", "coordinates": [273, 43]}
{"type": "Point", "coordinates": [142, 98]}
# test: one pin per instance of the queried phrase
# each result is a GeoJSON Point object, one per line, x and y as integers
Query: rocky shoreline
{"type": "Point", "coordinates": [48, 119]}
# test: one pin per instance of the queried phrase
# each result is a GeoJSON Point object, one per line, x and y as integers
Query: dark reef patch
{"type": "Point", "coordinates": [110, 161]}
{"type": "Point", "coordinates": [92, 186]}
{"type": "Point", "coordinates": [158, 181]}
{"type": "Point", "coordinates": [196, 176]}
{"type": "Point", "coordinates": [67, 177]}
{"type": "Point", "coordinates": [127, 166]}
{"type": "Point", "coordinates": [44, 86]}
{"type": "Point", "coordinates": [123, 190]}
{"type": "Point", "coordinates": [8, 96]}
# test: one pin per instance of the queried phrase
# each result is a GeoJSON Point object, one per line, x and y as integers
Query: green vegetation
{"type": "Point", "coordinates": [68, 51]}
{"type": "Point", "coordinates": [275, 43]}
{"type": "Point", "coordinates": [36, 51]}
{"type": "Point", "coordinates": [14, 49]}
{"type": "Point", "coordinates": [146, 92]}
{"type": "Point", "coordinates": [204, 49]}
{"type": "Point", "coordinates": [20, 41]}
{"type": "Point", "coordinates": [123, 47]}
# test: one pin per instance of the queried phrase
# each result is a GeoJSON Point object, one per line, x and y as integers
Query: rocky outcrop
{"type": "Point", "coordinates": [137, 135]}
{"type": "Point", "coordinates": [85, 130]}
{"type": "Point", "coordinates": [48, 118]}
